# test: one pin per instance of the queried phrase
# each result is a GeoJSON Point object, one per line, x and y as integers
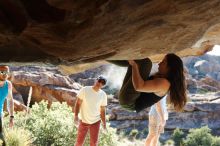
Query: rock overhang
{"type": "Point", "coordinates": [70, 33]}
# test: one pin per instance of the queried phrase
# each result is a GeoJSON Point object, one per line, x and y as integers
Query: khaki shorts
{"type": "Point", "coordinates": [154, 127]}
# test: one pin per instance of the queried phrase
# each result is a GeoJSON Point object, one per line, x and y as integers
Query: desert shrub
{"type": "Point", "coordinates": [18, 137]}
{"type": "Point", "coordinates": [133, 134]}
{"type": "Point", "coordinates": [216, 141]}
{"type": "Point", "coordinates": [199, 137]}
{"type": "Point", "coordinates": [55, 126]}
{"type": "Point", "coordinates": [177, 137]}
{"type": "Point", "coordinates": [1, 142]}
{"type": "Point", "coordinates": [169, 143]}
{"type": "Point", "coordinates": [108, 138]}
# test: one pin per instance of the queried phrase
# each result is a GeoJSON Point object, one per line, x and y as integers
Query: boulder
{"type": "Point", "coordinates": [76, 32]}
{"type": "Point", "coordinates": [46, 85]}
{"type": "Point", "coordinates": [203, 67]}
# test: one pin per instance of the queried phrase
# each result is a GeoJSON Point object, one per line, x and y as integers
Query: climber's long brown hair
{"type": "Point", "coordinates": [177, 80]}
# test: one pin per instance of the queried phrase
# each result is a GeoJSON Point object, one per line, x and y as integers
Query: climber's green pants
{"type": "Point", "coordinates": [127, 94]}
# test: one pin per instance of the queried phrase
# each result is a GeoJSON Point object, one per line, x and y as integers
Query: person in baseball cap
{"type": "Point", "coordinates": [102, 80]}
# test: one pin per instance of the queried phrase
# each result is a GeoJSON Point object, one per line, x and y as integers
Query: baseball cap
{"type": "Point", "coordinates": [102, 79]}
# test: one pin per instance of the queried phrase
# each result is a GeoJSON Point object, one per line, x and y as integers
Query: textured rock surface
{"type": "Point", "coordinates": [203, 66]}
{"type": "Point", "coordinates": [201, 111]}
{"type": "Point", "coordinates": [71, 32]}
{"type": "Point", "coordinates": [203, 73]}
{"type": "Point", "coordinates": [46, 84]}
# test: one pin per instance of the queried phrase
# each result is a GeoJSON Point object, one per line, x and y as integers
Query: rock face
{"type": "Point", "coordinates": [203, 73]}
{"type": "Point", "coordinates": [46, 84]}
{"type": "Point", "coordinates": [201, 111]}
{"type": "Point", "coordinates": [71, 32]}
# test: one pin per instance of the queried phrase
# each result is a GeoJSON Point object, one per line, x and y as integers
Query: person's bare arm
{"type": "Point", "coordinates": [76, 109]}
{"type": "Point", "coordinates": [158, 85]}
{"type": "Point", "coordinates": [103, 112]}
{"type": "Point", "coordinates": [10, 100]}
{"type": "Point", "coordinates": [10, 104]}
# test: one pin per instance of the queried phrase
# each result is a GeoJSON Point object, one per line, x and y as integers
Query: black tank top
{"type": "Point", "coordinates": [146, 100]}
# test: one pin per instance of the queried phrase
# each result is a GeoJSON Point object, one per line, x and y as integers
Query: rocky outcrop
{"type": "Point", "coordinates": [200, 111]}
{"type": "Point", "coordinates": [46, 85]}
{"type": "Point", "coordinates": [72, 32]}
{"type": "Point", "coordinates": [49, 84]}
{"type": "Point", "coordinates": [203, 85]}
{"type": "Point", "coordinates": [203, 66]}
{"type": "Point", "coordinates": [203, 73]}
{"type": "Point", "coordinates": [192, 85]}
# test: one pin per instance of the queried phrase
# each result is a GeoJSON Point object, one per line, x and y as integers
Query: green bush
{"type": "Point", "coordinates": [202, 91]}
{"type": "Point", "coordinates": [52, 126]}
{"type": "Point", "coordinates": [1, 142]}
{"type": "Point", "coordinates": [216, 141]}
{"type": "Point", "coordinates": [133, 134]}
{"type": "Point", "coordinates": [108, 138]}
{"type": "Point", "coordinates": [199, 137]}
{"type": "Point", "coordinates": [18, 137]}
{"type": "Point", "coordinates": [55, 126]}
{"type": "Point", "coordinates": [170, 143]}
{"type": "Point", "coordinates": [177, 137]}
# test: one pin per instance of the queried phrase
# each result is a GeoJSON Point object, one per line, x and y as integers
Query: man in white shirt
{"type": "Point", "coordinates": [90, 105]}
